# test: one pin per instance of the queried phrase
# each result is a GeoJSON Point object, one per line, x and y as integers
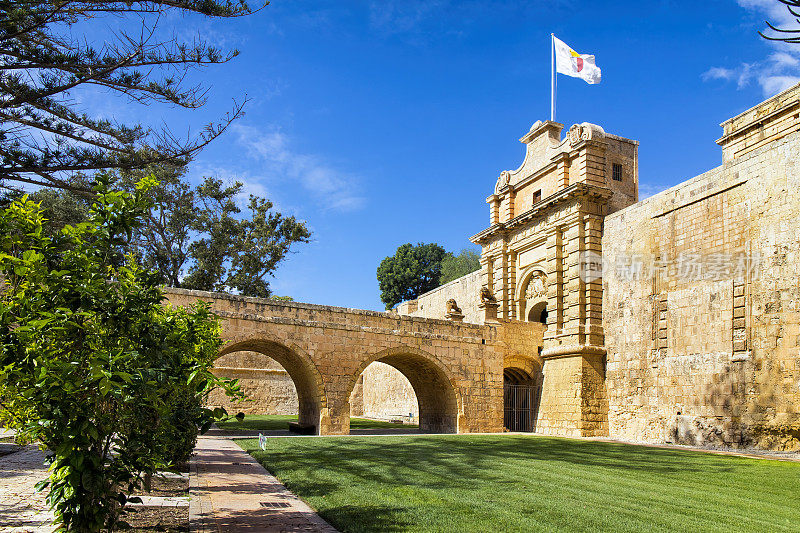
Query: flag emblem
{"type": "Point", "coordinates": [571, 63]}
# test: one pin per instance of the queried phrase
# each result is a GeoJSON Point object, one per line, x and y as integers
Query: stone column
{"type": "Point", "coordinates": [494, 210]}
{"type": "Point", "coordinates": [503, 280]}
{"type": "Point", "coordinates": [574, 402]}
{"type": "Point", "coordinates": [512, 285]}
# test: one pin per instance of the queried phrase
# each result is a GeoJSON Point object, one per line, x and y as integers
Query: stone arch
{"type": "Point", "coordinates": [537, 312]}
{"type": "Point", "coordinates": [525, 304]}
{"type": "Point", "coordinates": [311, 397]}
{"type": "Point", "coordinates": [530, 365]}
{"type": "Point", "coordinates": [522, 392]}
{"type": "Point", "coordinates": [439, 399]}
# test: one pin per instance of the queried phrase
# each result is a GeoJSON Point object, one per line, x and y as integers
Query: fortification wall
{"type": "Point", "coordinates": [433, 304]}
{"type": "Point", "coordinates": [701, 307]}
{"type": "Point", "coordinates": [269, 389]}
{"type": "Point", "coordinates": [387, 394]}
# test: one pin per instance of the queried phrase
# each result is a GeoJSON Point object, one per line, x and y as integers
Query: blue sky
{"type": "Point", "coordinates": [386, 122]}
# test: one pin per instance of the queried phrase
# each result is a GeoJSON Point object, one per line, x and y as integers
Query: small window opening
{"type": "Point", "coordinates": [616, 172]}
{"type": "Point", "coordinates": [537, 196]}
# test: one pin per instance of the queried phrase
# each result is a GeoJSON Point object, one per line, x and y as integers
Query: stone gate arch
{"type": "Point", "coordinates": [311, 397]}
{"type": "Point", "coordinates": [522, 392]}
{"type": "Point", "coordinates": [438, 397]}
{"type": "Point", "coordinates": [531, 296]}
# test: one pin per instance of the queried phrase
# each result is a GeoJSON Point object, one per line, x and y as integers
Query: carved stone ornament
{"type": "Point", "coordinates": [584, 132]}
{"type": "Point", "coordinates": [574, 134]}
{"type": "Point", "coordinates": [502, 181]}
{"type": "Point", "coordinates": [537, 287]}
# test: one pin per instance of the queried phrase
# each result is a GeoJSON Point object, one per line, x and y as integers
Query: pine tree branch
{"type": "Point", "coordinates": [43, 136]}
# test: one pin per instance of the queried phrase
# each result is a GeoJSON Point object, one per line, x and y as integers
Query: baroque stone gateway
{"type": "Point", "coordinates": [672, 319]}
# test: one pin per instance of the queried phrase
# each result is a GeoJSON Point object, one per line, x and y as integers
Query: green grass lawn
{"type": "Point", "coordinates": [274, 422]}
{"type": "Point", "coordinates": [524, 483]}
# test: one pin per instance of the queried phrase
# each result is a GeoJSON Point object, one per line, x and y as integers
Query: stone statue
{"type": "Point", "coordinates": [452, 308]}
{"type": "Point", "coordinates": [487, 296]}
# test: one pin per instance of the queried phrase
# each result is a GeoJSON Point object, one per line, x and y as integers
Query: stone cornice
{"type": "Point", "coordinates": [573, 350]}
{"type": "Point", "coordinates": [482, 336]}
{"type": "Point", "coordinates": [576, 190]}
{"type": "Point", "coordinates": [757, 121]}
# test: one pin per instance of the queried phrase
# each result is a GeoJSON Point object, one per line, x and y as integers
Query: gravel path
{"type": "Point", "coordinates": [22, 509]}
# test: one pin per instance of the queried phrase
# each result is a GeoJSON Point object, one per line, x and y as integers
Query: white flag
{"type": "Point", "coordinates": [571, 63]}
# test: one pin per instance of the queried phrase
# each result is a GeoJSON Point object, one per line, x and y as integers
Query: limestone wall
{"type": "Point", "coordinates": [701, 307]}
{"type": "Point", "coordinates": [387, 394]}
{"type": "Point", "coordinates": [269, 389]}
{"type": "Point", "coordinates": [466, 292]}
{"type": "Point", "coordinates": [761, 124]}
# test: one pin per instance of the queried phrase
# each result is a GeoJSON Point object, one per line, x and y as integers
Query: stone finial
{"type": "Point", "coordinates": [453, 312]}
{"type": "Point", "coordinates": [584, 132]}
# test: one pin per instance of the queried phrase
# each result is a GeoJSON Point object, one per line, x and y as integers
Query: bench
{"type": "Point", "coordinates": [302, 429]}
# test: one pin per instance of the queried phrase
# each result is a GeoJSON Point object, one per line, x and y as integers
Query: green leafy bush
{"type": "Point", "coordinates": [93, 364]}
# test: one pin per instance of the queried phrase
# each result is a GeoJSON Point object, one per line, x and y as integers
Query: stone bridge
{"type": "Point", "coordinates": [456, 369]}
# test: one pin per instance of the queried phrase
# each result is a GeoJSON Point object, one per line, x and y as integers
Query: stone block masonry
{"type": "Point", "coordinates": [455, 369]}
{"type": "Point", "coordinates": [703, 333]}
{"type": "Point", "coordinates": [433, 304]}
{"type": "Point", "coordinates": [692, 333]}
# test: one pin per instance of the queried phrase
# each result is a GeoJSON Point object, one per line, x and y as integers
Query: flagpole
{"type": "Point", "coordinates": [552, 77]}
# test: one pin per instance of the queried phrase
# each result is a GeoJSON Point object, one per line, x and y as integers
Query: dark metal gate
{"type": "Point", "coordinates": [521, 406]}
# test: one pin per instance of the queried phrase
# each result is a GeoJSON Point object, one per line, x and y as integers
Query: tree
{"type": "Point", "coordinates": [455, 266]}
{"type": "Point", "coordinates": [788, 36]}
{"type": "Point", "coordinates": [197, 237]}
{"type": "Point", "coordinates": [238, 253]}
{"type": "Point", "coordinates": [45, 137]}
{"type": "Point", "coordinates": [93, 365]}
{"type": "Point", "coordinates": [410, 272]}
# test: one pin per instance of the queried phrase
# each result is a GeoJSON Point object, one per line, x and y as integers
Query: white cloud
{"type": "Point", "coordinates": [776, 12]}
{"type": "Point", "coordinates": [646, 190]}
{"type": "Point", "coordinates": [719, 73]}
{"type": "Point", "coordinates": [775, 84]}
{"type": "Point", "coordinates": [331, 188]}
{"type": "Point", "coordinates": [401, 17]}
{"type": "Point", "coordinates": [422, 20]}
{"type": "Point", "coordinates": [779, 70]}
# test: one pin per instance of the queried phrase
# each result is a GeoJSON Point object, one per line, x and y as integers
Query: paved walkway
{"type": "Point", "coordinates": [22, 509]}
{"type": "Point", "coordinates": [232, 492]}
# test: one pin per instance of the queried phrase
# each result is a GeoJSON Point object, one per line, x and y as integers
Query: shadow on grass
{"type": "Point", "coordinates": [517, 481]}
{"type": "Point", "coordinates": [459, 460]}
{"type": "Point", "coordinates": [367, 518]}
{"type": "Point", "coordinates": [281, 423]}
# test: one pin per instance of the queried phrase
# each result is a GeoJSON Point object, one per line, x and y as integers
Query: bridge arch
{"type": "Point", "coordinates": [311, 396]}
{"type": "Point", "coordinates": [438, 397]}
